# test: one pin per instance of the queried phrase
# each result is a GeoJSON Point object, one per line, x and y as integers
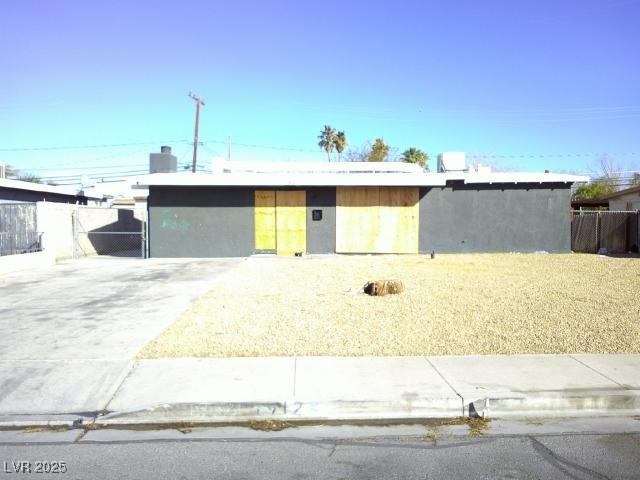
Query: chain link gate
{"type": "Point", "coordinates": [115, 232]}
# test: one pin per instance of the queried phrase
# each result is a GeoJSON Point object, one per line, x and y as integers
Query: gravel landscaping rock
{"type": "Point", "coordinates": [453, 305]}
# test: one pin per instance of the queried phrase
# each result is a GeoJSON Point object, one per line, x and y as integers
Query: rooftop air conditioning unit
{"type": "Point", "coordinates": [452, 162]}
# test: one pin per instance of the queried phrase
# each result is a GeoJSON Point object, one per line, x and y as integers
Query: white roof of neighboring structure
{"type": "Point", "coordinates": [117, 189]}
{"type": "Point", "coordinates": [41, 187]}
{"type": "Point", "coordinates": [289, 174]}
{"type": "Point", "coordinates": [317, 167]}
{"type": "Point", "coordinates": [626, 191]}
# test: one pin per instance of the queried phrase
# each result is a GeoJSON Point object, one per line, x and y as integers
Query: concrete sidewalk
{"type": "Point", "coordinates": [364, 388]}
{"type": "Point", "coordinates": [211, 390]}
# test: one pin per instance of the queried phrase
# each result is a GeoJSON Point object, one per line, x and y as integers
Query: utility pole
{"type": "Point", "coordinates": [199, 101]}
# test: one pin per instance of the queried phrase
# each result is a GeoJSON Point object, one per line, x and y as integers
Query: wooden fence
{"type": "Point", "coordinates": [615, 232]}
{"type": "Point", "coordinates": [18, 228]}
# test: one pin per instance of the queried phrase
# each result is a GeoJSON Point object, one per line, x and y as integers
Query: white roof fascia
{"type": "Point", "coordinates": [522, 177]}
{"type": "Point", "coordinates": [340, 179]}
{"type": "Point", "coordinates": [290, 179]}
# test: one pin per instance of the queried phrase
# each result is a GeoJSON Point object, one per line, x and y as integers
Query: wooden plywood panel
{"type": "Point", "coordinates": [399, 220]}
{"type": "Point", "coordinates": [357, 219]}
{"type": "Point", "coordinates": [377, 220]}
{"type": "Point", "coordinates": [265, 220]}
{"type": "Point", "coordinates": [291, 222]}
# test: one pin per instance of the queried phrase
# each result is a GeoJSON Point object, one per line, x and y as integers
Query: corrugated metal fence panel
{"type": "Point", "coordinates": [18, 228]}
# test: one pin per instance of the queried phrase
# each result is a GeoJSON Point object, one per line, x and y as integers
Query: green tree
{"type": "Point", "coordinates": [599, 188]}
{"type": "Point", "coordinates": [327, 140]}
{"type": "Point", "coordinates": [340, 143]}
{"type": "Point", "coordinates": [415, 155]}
{"type": "Point", "coordinates": [379, 151]}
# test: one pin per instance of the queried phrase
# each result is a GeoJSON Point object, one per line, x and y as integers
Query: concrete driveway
{"type": "Point", "coordinates": [70, 331]}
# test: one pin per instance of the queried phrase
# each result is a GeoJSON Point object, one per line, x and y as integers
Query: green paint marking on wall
{"type": "Point", "coordinates": [170, 221]}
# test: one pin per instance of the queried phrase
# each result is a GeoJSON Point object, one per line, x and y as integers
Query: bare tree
{"type": "Point", "coordinates": [476, 159]}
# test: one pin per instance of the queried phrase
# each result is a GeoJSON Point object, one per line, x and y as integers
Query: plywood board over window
{"type": "Point", "coordinates": [265, 220]}
{"type": "Point", "coordinates": [357, 219]}
{"type": "Point", "coordinates": [280, 221]}
{"type": "Point", "coordinates": [377, 219]}
{"type": "Point", "coordinates": [291, 222]}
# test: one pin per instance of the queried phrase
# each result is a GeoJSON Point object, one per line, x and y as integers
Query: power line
{"type": "Point", "coordinates": [85, 147]}
{"type": "Point", "coordinates": [55, 169]}
{"type": "Point", "coordinates": [550, 155]}
{"type": "Point", "coordinates": [269, 147]}
{"type": "Point", "coordinates": [94, 175]}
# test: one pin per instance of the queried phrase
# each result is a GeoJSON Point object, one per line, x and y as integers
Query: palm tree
{"type": "Point", "coordinates": [340, 144]}
{"type": "Point", "coordinates": [327, 140]}
{"type": "Point", "coordinates": [415, 155]}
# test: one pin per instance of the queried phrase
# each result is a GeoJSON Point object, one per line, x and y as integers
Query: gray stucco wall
{"type": "Point", "coordinates": [321, 235]}
{"type": "Point", "coordinates": [219, 222]}
{"type": "Point", "coordinates": [200, 222]}
{"type": "Point", "coordinates": [494, 218]}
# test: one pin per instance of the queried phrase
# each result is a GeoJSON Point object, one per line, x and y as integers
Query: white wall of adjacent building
{"type": "Point", "coordinates": [630, 201]}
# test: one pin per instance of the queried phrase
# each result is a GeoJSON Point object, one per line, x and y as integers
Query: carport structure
{"type": "Point", "coordinates": [387, 207]}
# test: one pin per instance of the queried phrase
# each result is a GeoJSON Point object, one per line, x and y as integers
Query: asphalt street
{"type": "Point", "coordinates": [340, 454]}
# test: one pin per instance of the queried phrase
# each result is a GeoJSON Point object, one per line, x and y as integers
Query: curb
{"type": "Point", "coordinates": [619, 403]}
{"type": "Point", "coordinates": [533, 404]}
{"type": "Point", "coordinates": [338, 410]}
{"type": "Point", "coordinates": [557, 404]}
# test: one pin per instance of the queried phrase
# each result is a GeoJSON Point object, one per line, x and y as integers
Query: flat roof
{"type": "Point", "coordinates": [353, 179]}
{"type": "Point", "coordinates": [42, 188]}
{"type": "Point", "coordinates": [626, 191]}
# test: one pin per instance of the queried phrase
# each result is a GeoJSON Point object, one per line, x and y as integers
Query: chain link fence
{"type": "Point", "coordinates": [115, 232]}
{"type": "Point", "coordinates": [18, 229]}
{"type": "Point", "coordinates": [605, 231]}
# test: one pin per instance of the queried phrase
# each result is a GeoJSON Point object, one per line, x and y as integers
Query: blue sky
{"type": "Point", "coordinates": [547, 84]}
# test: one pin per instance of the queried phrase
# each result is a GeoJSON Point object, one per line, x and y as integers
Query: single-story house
{"type": "Point", "coordinates": [625, 200]}
{"type": "Point", "coordinates": [12, 191]}
{"type": "Point", "coordinates": [345, 207]}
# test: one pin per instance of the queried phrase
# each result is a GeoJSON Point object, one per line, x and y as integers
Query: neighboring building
{"type": "Point", "coordinates": [386, 207]}
{"type": "Point", "coordinates": [590, 204]}
{"type": "Point", "coordinates": [12, 191]}
{"type": "Point", "coordinates": [625, 200]}
{"type": "Point", "coordinates": [121, 193]}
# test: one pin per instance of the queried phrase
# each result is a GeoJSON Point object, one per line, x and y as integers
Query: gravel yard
{"type": "Point", "coordinates": [453, 305]}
